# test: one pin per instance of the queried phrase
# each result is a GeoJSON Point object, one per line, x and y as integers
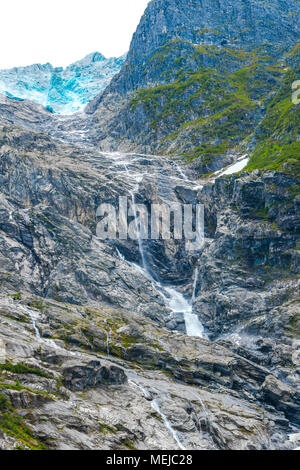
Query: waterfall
{"type": "Point", "coordinates": [167, 424]}
{"type": "Point", "coordinates": [36, 330]}
{"type": "Point", "coordinates": [156, 407]}
{"type": "Point", "coordinates": [138, 232]}
{"type": "Point", "coordinates": [107, 341]}
{"type": "Point", "coordinates": [174, 299]}
{"type": "Point", "coordinates": [122, 257]}
{"type": "Point", "coordinates": [178, 304]}
{"type": "Point", "coordinates": [203, 408]}
{"type": "Point", "coordinates": [145, 392]}
{"type": "Point", "coordinates": [108, 332]}
{"type": "Point", "coordinates": [182, 174]}
{"type": "Point", "coordinates": [195, 284]}
{"type": "Point", "coordinates": [33, 317]}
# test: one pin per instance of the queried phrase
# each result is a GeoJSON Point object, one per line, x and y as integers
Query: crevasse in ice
{"type": "Point", "coordinates": [63, 91]}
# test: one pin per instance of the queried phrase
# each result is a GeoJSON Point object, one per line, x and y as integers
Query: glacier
{"type": "Point", "coordinates": [61, 91]}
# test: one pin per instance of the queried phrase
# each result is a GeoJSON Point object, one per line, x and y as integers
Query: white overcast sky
{"type": "Point", "coordinates": [63, 31]}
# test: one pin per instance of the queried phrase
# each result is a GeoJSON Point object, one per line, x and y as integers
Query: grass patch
{"type": "Point", "coordinates": [23, 369]}
{"type": "Point", "coordinates": [13, 425]}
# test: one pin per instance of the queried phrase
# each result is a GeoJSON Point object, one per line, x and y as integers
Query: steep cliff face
{"type": "Point", "coordinates": [95, 346]}
{"type": "Point", "coordinates": [272, 27]}
{"type": "Point", "coordinates": [92, 354]}
{"type": "Point", "coordinates": [198, 79]}
{"type": "Point", "coordinates": [276, 141]}
{"type": "Point", "coordinates": [249, 270]}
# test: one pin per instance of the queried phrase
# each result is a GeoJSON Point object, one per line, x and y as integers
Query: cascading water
{"type": "Point", "coordinates": [138, 231]}
{"type": "Point", "coordinates": [145, 392]}
{"type": "Point", "coordinates": [174, 299]}
{"type": "Point", "coordinates": [206, 420]}
{"type": "Point", "coordinates": [178, 304]}
{"type": "Point", "coordinates": [195, 284]}
{"type": "Point", "coordinates": [107, 341]}
{"type": "Point", "coordinates": [157, 409]}
{"type": "Point", "coordinates": [34, 317]}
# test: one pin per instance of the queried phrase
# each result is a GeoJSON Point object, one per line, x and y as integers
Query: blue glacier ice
{"type": "Point", "coordinates": [63, 91]}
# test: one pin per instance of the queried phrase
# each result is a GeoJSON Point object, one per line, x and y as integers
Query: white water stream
{"type": "Point", "coordinates": [178, 304]}
{"type": "Point", "coordinates": [173, 298]}
{"type": "Point", "coordinates": [34, 317]}
{"type": "Point", "coordinates": [175, 301]}
{"type": "Point", "coordinates": [156, 407]}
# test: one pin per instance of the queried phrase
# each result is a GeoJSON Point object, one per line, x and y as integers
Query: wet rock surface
{"type": "Point", "coordinates": [87, 360]}
{"type": "Point", "coordinates": [82, 397]}
{"type": "Point", "coordinates": [93, 352]}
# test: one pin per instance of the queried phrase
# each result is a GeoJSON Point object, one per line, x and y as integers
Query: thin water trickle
{"type": "Point", "coordinates": [195, 284]}
{"type": "Point", "coordinates": [156, 408]}
{"type": "Point", "coordinates": [138, 231]}
{"type": "Point", "coordinates": [122, 257]}
{"type": "Point", "coordinates": [34, 316]}
{"type": "Point", "coordinates": [36, 330]}
{"type": "Point", "coordinates": [203, 408]}
{"type": "Point", "coordinates": [107, 341]}
{"type": "Point", "coordinates": [145, 392]}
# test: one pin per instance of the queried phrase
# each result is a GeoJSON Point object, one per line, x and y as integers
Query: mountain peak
{"type": "Point", "coordinates": [64, 90]}
{"type": "Point", "coordinates": [90, 59]}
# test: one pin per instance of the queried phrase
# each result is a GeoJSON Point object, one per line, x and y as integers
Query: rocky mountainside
{"type": "Point", "coordinates": [143, 344]}
{"type": "Point", "coordinates": [62, 91]}
{"type": "Point", "coordinates": [85, 328]}
{"type": "Point", "coordinates": [199, 78]}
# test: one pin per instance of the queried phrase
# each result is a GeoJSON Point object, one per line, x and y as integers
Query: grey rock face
{"type": "Point", "coordinates": [230, 23]}
{"type": "Point", "coordinates": [285, 397]}
{"type": "Point", "coordinates": [210, 397]}
{"type": "Point", "coordinates": [198, 79]}
{"type": "Point", "coordinates": [88, 356]}
{"type": "Point", "coordinates": [90, 375]}
{"type": "Point", "coordinates": [50, 195]}
{"type": "Point", "coordinates": [63, 283]}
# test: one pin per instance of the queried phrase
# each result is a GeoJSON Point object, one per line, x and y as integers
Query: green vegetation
{"type": "Point", "coordinates": [278, 144]}
{"type": "Point", "coordinates": [272, 156]}
{"type": "Point", "coordinates": [22, 369]}
{"type": "Point", "coordinates": [106, 429]}
{"type": "Point", "coordinates": [210, 108]}
{"type": "Point", "coordinates": [36, 305]}
{"type": "Point", "coordinates": [295, 325]}
{"type": "Point", "coordinates": [215, 99]}
{"type": "Point", "coordinates": [5, 404]}
{"type": "Point", "coordinates": [129, 445]}
{"type": "Point", "coordinates": [14, 426]}
{"type": "Point", "coordinates": [16, 296]}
